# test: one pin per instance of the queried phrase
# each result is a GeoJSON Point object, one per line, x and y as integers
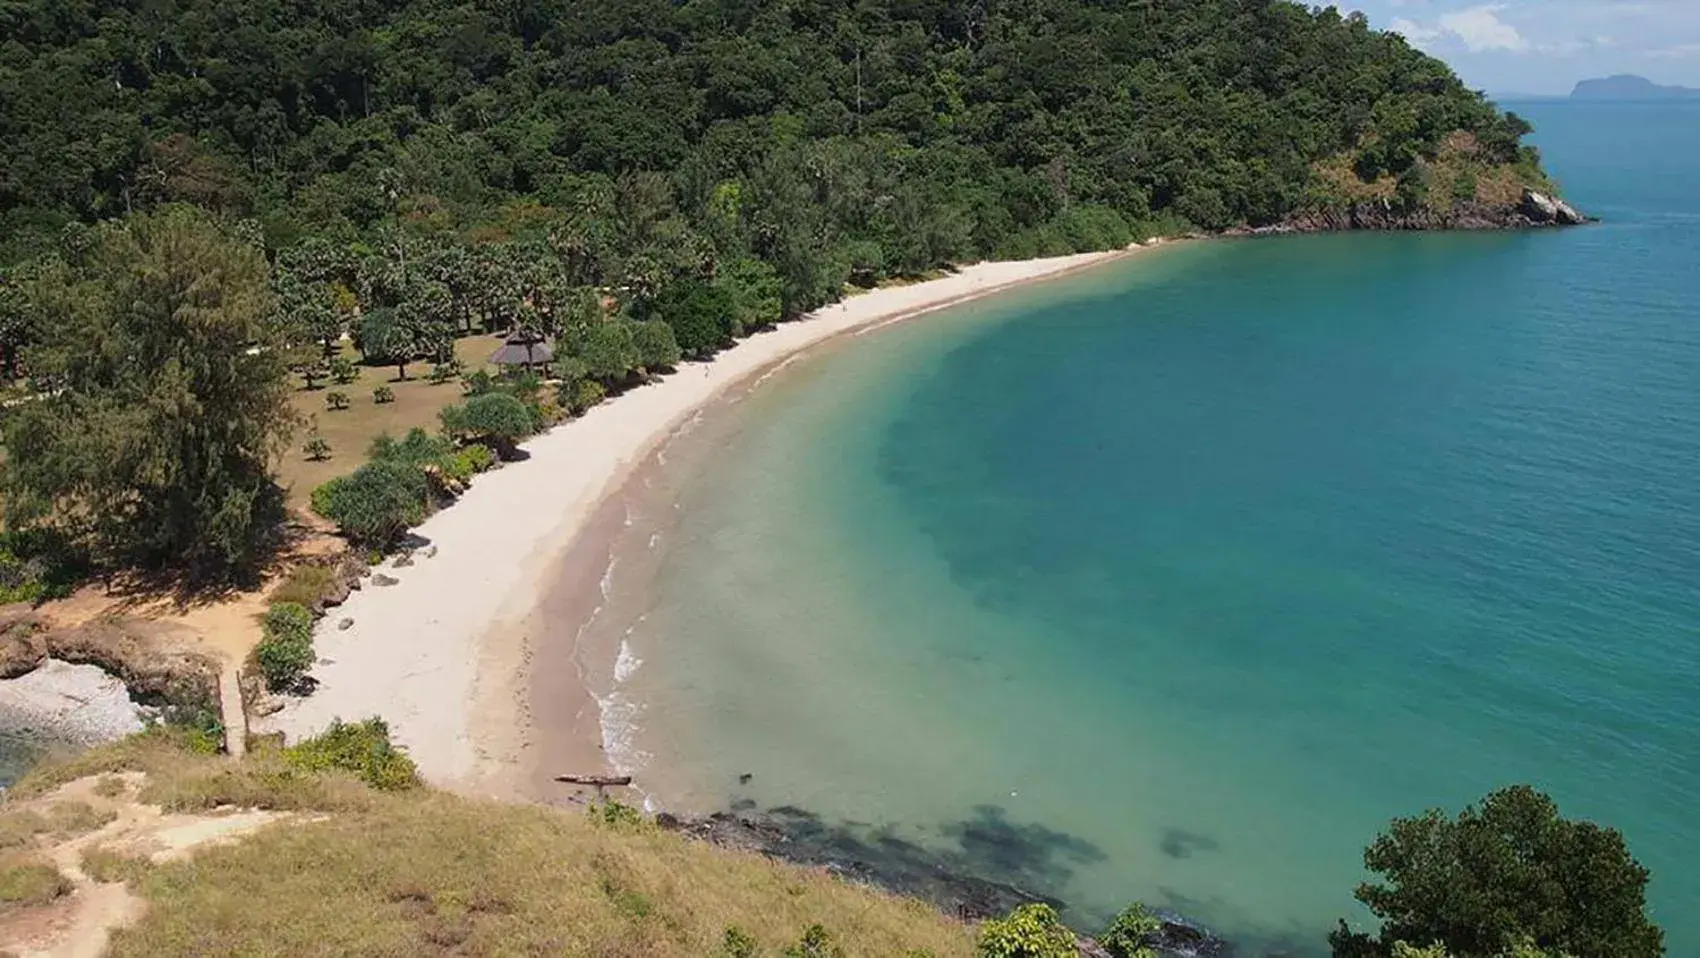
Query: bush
{"type": "Point", "coordinates": [737, 943]}
{"type": "Point", "coordinates": [1030, 931]}
{"type": "Point", "coordinates": [477, 383]}
{"type": "Point", "coordinates": [383, 394]}
{"type": "Point", "coordinates": [377, 502]}
{"type": "Point", "coordinates": [336, 399]}
{"type": "Point", "coordinates": [290, 621]}
{"type": "Point", "coordinates": [816, 943]}
{"type": "Point", "coordinates": [285, 652]}
{"type": "Point", "coordinates": [616, 815]}
{"type": "Point", "coordinates": [362, 749]}
{"type": "Point", "coordinates": [317, 449]}
{"type": "Point", "coordinates": [417, 448]}
{"type": "Point", "coordinates": [343, 371]}
{"type": "Point", "coordinates": [37, 564]}
{"type": "Point", "coordinates": [580, 395]}
{"type": "Point", "coordinates": [444, 372]}
{"type": "Point", "coordinates": [657, 347]}
{"type": "Point", "coordinates": [468, 462]}
{"type": "Point", "coordinates": [477, 458]}
{"type": "Point", "coordinates": [495, 419]}
{"type": "Point", "coordinates": [1130, 935]}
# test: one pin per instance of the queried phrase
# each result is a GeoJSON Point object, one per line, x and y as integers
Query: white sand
{"type": "Point", "coordinates": [416, 649]}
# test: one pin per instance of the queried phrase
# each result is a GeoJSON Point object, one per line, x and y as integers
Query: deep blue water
{"type": "Point", "coordinates": [1181, 578]}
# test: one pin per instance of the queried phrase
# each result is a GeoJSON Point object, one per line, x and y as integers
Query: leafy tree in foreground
{"type": "Point", "coordinates": [1508, 873]}
{"type": "Point", "coordinates": [167, 397]}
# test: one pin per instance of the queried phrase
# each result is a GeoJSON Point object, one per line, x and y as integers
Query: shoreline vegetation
{"type": "Point", "coordinates": [206, 203]}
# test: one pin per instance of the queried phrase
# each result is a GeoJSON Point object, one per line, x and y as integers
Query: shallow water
{"type": "Point", "coordinates": [1174, 581]}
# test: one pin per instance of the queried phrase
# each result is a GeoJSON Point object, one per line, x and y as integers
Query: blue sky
{"type": "Point", "coordinates": [1545, 46]}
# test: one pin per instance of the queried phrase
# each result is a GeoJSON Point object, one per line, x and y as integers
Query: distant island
{"type": "Point", "coordinates": [1626, 86]}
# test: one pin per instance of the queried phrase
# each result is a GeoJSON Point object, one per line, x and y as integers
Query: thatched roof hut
{"type": "Point", "coordinates": [522, 349]}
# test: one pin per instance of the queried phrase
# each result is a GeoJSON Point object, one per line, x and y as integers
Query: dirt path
{"type": "Point", "coordinates": [80, 924]}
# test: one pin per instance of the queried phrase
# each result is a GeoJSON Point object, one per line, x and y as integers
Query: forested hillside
{"type": "Point", "coordinates": [222, 189]}
{"type": "Point", "coordinates": [883, 135]}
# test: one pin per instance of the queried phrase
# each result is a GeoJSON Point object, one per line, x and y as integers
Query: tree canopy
{"type": "Point", "coordinates": [1508, 876]}
{"type": "Point", "coordinates": [163, 397]}
{"type": "Point", "coordinates": [908, 133]}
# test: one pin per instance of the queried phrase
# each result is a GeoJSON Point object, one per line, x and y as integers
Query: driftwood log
{"type": "Point", "coordinates": [600, 781]}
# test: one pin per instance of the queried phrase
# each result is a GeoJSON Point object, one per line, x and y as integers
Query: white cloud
{"type": "Point", "coordinates": [1414, 32]}
{"type": "Point", "coordinates": [1481, 30]}
{"type": "Point", "coordinates": [1677, 52]}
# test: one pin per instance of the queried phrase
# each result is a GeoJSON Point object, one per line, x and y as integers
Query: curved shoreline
{"type": "Point", "coordinates": [443, 654]}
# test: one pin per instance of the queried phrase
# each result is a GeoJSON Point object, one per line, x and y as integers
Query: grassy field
{"type": "Point", "coordinates": [349, 431]}
{"type": "Point", "coordinates": [419, 872]}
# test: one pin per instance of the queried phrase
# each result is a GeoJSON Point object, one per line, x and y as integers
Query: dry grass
{"type": "Point", "coordinates": [428, 873]}
{"type": "Point", "coordinates": [21, 827]}
{"type": "Point", "coordinates": [419, 872]}
{"type": "Point", "coordinates": [107, 865]}
{"type": "Point", "coordinates": [305, 585]}
{"type": "Point", "coordinates": [29, 880]}
{"type": "Point", "coordinates": [349, 431]}
{"type": "Point", "coordinates": [179, 780]}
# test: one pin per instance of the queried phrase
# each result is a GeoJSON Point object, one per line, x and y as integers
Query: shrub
{"type": "Point", "coordinates": [317, 449]}
{"type": "Point", "coordinates": [306, 585]}
{"type": "Point", "coordinates": [289, 621]}
{"type": "Point", "coordinates": [477, 458]}
{"type": "Point", "coordinates": [336, 399]}
{"type": "Point", "coordinates": [444, 372]}
{"type": "Point", "coordinates": [417, 448]}
{"type": "Point", "coordinates": [383, 394]}
{"type": "Point", "coordinates": [737, 943]}
{"type": "Point", "coordinates": [616, 815]}
{"type": "Point", "coordinates": [477, 383]}
{"type": "Point", "coordinates": [496, 419]}
{"type": "Point", "coordinates": [816, 943]}
{"type": "Point", "coordinates": [1130, 935]}
{"type": "Point", "coordinates": [362, 749]}
{"type": "Point", "coordinates": [582, 394]}
{"type": "Point", "coordinates": [343, 371]}
{"type": "Point", "coordinates": [1030, 931]}
{"type": "Point", "coordinates": [285, 652]}
{"type": "Point", "coordinates": [37, 564]}
{"type": "Point", "coordinates": [657, 347]}
{"type": "Point", "coordinates": [377, 502]}
{"type": "Point", "coordinates": [462, 465]}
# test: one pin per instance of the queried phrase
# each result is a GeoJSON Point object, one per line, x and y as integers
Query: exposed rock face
{"type": "Point", "coordinates": [22, 646]}
{"type": "Point", "coordinates": [154, 665]}
{"type": "Point", "coordinates": [1535, 210]}
{"type": "Point", "coordinates": [156, 668]}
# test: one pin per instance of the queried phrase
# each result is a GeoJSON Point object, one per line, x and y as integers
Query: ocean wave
{"type": "Point", "coordinates": [627, 662]}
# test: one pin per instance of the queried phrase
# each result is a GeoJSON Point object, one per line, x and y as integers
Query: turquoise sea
{"type": "Point", "coordinates": [1177, 579]}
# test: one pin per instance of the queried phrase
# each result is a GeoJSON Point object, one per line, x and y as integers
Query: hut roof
{"type": "Point", "coordinates": [517, 351]}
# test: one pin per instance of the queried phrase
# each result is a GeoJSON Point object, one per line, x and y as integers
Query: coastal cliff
{"type": "Point", "coordinates": [1535, 210]}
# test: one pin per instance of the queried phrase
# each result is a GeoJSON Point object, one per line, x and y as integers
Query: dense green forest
{"type": "Point", "coordinates": [638, 180]}
{"type": "Point", "coordinates": [883, 135]}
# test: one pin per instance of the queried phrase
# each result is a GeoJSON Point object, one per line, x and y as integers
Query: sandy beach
{"type": "Point", "coordinates": [443, 653]}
